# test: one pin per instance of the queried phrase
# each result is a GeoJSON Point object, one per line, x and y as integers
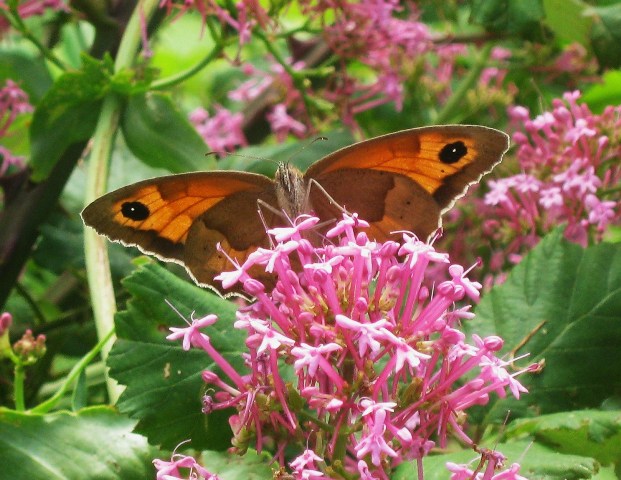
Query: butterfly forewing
{"type": "Point", "coordinates": [405, 180]}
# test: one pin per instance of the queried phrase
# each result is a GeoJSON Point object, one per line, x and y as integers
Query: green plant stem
{"type": "Point", "coordinates": [95, 248]}
{"type": "Point", "coordinates": [73, 375]}
{"type": "Point", "coordinates": [298, 80]}
{"type": "Point", "coordinates": [25, 294]}
{"type": "Point", "coordinates": [18, 387]}
{"type": "Point", "coordinates": [181, 76]}
{"type": "Point", "coordinates": [18, 24]}
{"type": "Point", "coordinates": [326, 427]}
{"type": "Point", "coordinates": [455, 103]}
{"type": "Point", "coordinates": [96, 252]}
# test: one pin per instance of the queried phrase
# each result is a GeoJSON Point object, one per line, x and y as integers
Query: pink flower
{"type": "Point", "coordinates": [172, 470]}
{"type": "Point", "coordinates": [462, 472]}
{"type": "Point", "coordinates": [601, 213]}
{"type": "Point", "coordinates": [282, 124]}
{"type": "Point", "coordinates": [373, 442]}
{"type": "Point", "coordinates": [190, 333]}
{"type": "Point", "coordinates": [304, 466]}
{"type": "Point", "coordinates": [222, 131]}
{"type": "Point", "coordinates": [7, 160]}
{"type": "Point", "coordinates": [13, 102]}
{"type": "Point", "coordinates": [6, 320]}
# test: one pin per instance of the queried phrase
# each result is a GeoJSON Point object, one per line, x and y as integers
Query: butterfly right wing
{"type": "Point", "coordinates": [405, 180]}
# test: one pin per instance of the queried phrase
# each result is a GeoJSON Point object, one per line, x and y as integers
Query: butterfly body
{"type": "Point", "coordinates": [292, 190]}
{"type": "Point", "coordinates": [401, 181]}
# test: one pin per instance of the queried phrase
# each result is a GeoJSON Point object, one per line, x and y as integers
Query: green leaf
{"type": "Point", "coordinates": [79, 398]}
{"type": "Point", "coordinates": [536, 462]}
{"type": "Point", "coordinates": [30, 73]}
{"type": "Point", "coordinates": [60, 244]}
{"type": "Point", "coordinates": [164, 384]}
{"type": "Point", "coordinates": [250, 466]}
{"type": "Point", "coordinates": [567, 20]}
{"type": "Point", "coordinates": [562, 305]}
{"type": "Point", "coordinates": [606, 35]}
{"type": "Point", "coordinates": [592, 433]}
{"type": "Point", "coordinates": [93, 443]}
{"type": "Point", "coordinates": [522, 18]}
{"type": "Point", "coordinates": [608, 92]}
{"type": "Point", "coordinates": [159, 135]}
{"type": "Point", "coordinates": [263, 158]}
{"type": "Point", "coordinates": [67, 114]}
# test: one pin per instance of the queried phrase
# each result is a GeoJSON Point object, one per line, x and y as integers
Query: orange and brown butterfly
{"type": "Point", "coordinates": [400, 181]}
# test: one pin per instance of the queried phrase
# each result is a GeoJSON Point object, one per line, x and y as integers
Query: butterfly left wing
{"type": "Point", "coordinates": [406, 180]}
{"type": "Point", "coordinates": [181, 218]}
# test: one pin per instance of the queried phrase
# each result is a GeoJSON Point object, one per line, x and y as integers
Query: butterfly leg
{"type": "Point", "coordinates": [262, 208]}
{"type": "Point", "coordinates": [323, 201]}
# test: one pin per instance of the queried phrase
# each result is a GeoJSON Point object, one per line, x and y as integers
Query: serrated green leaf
{"type": "Point", "coordinates": [250, 466]}
{"type": "Point", "coordinates": [67, 114]}
{"type": "Point", "coordinates": [590, 433]}
{"type": "Point", "coordinates": [159, 135]}
{"type": "Point", "coordinates": [93, 443]}
{"type": "Point", "coordinates": [562, 305]}
{"type": "Point", "coordinates": [536, 462]}
{"type": "Point", "coordinates": [164, 384]}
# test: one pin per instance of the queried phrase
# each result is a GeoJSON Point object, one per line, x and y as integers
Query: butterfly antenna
{"type": "Point", "coordinates": [304, 147]}
{"type": "Point", "coordinates": [243, 155]}
{"type": "Point", "coordinates": [176, 311]}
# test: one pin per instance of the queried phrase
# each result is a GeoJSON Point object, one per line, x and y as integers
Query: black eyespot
{"type": "Point", "coordinates": [453, 152]}
{"type": "Point", "coordinates": [135, 211]}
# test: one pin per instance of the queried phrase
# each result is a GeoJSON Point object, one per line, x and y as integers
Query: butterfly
{"type": "Point", "coordinates": [400, 181]}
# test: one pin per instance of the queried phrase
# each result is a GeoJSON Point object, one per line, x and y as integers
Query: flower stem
{"type": "Point", "coordinates": [298, 80]}
{"type": "Point", "coordinates": [71, 377]}
{"type": "Point", "coordinates": [181, 76]}
{"type": "Point", "coordinates": [18, 24]}
{"type": "Point", "coordinates": [455, 103]}
{"type": "Point", "coordinates": [18, 387]}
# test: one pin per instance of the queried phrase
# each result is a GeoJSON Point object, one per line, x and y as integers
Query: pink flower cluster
{"type": "Point", "coordinates": [384, 36]}
{"type": "Point", "coordinates": [280, 116]}
{"type": "Point", "coordinates": [249, 13]}
{"type": "Point", "coordinates": [570, 172]}
{"type": "Point", "coordinates": [363, 55]}
{"type": "Point", "coordinates": [353, 358]}
{"type": "Point", "coordinates": [13, 102]}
